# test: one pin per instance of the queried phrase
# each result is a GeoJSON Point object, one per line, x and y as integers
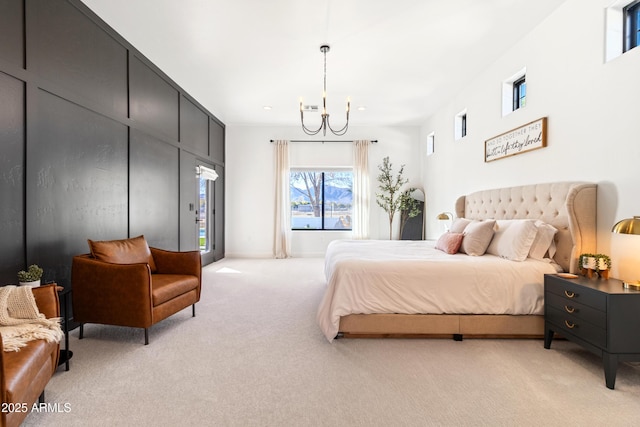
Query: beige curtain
{"type": "Point", "coordinates": [361, 191]}
{"type": "Point", "coordinates": [282, 240]}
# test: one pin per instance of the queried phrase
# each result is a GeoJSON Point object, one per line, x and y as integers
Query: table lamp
{"type": "Point", "coordinates": [444, 216]}
{"type": "Point", "coordinates": [628, 226]}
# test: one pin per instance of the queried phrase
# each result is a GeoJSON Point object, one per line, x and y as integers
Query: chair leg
{"type": "Point", "coordinates": [146, 336]}
{"type": "Point", "coordinates": [81, 330]}
{"type": "Point", "coordinates": [193, 310]}
{"type": "Point", "coordinates": [41, 398]}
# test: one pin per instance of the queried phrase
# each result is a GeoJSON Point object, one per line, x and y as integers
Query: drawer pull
{"type": "Point", "coordinates": [569, 325]}
{"type": "Point", "coordinates": [569, 309]}
{"type": "Point", "coordinates": [569, 294]}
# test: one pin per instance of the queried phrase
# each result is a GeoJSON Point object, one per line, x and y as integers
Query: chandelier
{"type": "Point", "coordinates": [325, 116]}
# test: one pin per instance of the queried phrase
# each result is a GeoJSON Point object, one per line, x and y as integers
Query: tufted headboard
{"type": "Point", "coordinates": [568, 206]}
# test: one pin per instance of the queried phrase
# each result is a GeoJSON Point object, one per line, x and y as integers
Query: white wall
{"type": "Point", "coordinates": [250, 182]}
{"type": "Point", "coordinates": [593, 114]}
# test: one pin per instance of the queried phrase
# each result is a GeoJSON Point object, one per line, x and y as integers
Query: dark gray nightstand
{"type": "Point", "coordinates": [598, 314]}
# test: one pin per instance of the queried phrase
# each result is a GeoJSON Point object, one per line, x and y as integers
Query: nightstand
{"type": "Point", "coordinates": [598, 314]}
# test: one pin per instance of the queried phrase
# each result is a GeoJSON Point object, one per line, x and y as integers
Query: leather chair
{"type": "Point", "coordinates": [25, 373]}
{"type": "Point", "coordinates": [127, 283]}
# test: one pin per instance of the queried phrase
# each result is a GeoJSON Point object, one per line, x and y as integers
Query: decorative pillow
{"type": "Point", "coordinates": [544, 243]}
{"type": "Point", "coordinates": [513, 239]}
{"type": "Point", "coordinates": [125, 251]}
{"type": "Point", "coordinates": [459, 224]}
{"type": "Point", "coordinates": [449, 242]}
{"type": "Point", "coordinates": [477, 236]}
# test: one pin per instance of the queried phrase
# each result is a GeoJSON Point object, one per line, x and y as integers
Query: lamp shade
{"type": "Point", "coordinates": [445, 216]}
{"type": "Point", "coordinates": [627, 226]}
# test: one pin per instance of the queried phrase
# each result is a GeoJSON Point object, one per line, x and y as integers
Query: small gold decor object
{"type": "Point", "coordinates": [632, 285]}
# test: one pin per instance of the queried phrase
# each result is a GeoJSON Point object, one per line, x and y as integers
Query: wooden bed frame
{"type": "Point", "coordinates": [568, 206]}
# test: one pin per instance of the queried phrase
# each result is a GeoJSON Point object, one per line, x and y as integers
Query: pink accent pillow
{"type": "Point", "coordinates": [449, 242]}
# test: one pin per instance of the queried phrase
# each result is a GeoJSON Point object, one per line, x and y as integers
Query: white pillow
{"type": "Point", "coordinates": [513, 239]}
{"type": "Point", "coordinates": [477, 236]}
{"type": "Point", "coordinates": [459, 224]}
{"type": "Point", "coordinates": [544, 241]}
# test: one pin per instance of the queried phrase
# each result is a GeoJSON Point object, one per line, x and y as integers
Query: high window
{"type": "Point", "coordinates": [519, 93]}
{"type": "Point", "coordinates": [431, 140]}
{"type": "Point", "coordinates": [514, 92]}
{"type": "Point", "coordinates": [622, 21]}
{"type": "Point", "coordinates": [321, 200]}
{"type": "Point", "coordinates": [632, 25]}
{"type": "Point", "coordinates": [460, 130]}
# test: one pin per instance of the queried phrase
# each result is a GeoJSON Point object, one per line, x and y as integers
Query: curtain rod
{"type": "Point", "coordinates": [373, 141]}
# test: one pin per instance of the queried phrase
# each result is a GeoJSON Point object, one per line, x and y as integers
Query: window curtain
{"type": "Point", "coordinates": [361, 191]}
{"type": "Point", "coordinates": [282, 240]}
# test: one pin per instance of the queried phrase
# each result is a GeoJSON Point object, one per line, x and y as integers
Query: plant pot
{"type": "Point", "coordinates": [32, 284]}
{"type": "Point", "coordinates": [602, 264]}
{"type": "Point", "coordinates": [589, 263]}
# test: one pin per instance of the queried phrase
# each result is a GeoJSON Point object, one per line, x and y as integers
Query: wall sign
{"type": "Point", "coordinates": [519, 140]}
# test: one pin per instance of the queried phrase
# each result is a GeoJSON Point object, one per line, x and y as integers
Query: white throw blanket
{"type": "Point", "coordinates": [21, 321]}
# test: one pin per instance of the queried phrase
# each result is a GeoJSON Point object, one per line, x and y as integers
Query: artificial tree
{"type": "Point", "coordinates": [389, 198]}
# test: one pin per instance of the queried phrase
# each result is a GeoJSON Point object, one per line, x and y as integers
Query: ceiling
{"type": "Point", "coordinates": [399, 59]}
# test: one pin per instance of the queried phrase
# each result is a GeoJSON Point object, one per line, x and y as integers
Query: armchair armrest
{"type": "Point", "coordinates": [47, 300]}
{"type": "Point", "coordinates": [170, 262]}
{"type": "Point", "coordinates": [117, 294]}
{"type": "Point", "coordinates": [46, 297]}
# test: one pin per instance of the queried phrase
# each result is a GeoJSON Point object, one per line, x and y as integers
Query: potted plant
{"type": "Point", "coordinates": [30, 277]}
{"type": "Point", "coordinates": [587, 261]}
{"type": "Point", "coordinates": [390, 198]}
{"type": "Point", "coordinates": [603, 265]}
{"type": "Point", "coordinates": [598, 263]}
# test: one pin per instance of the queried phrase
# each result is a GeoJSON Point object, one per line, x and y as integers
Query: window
{"type": "Point", "coordinates": [460, 130]}
{"type": "Point", "coordinates": [514, 92]}
{"type": "Point", "coordinates": [463, 124]}
{"type": "Point", "coordinates": [431, 138]}
{"type": "Point", "coordinates": [321, 200]}
{"type": "Point", "coordinates": [622, 22]}
{"type": "Point", "coordinates": [519, 93]}
{"type": "Point", "coordinates": [631, 25]}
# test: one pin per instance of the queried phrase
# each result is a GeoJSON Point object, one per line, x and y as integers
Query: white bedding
{"type": "Point", "coordinates": [411, 277]}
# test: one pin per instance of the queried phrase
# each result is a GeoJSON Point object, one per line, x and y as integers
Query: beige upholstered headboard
{"type": "Point", "coordinates": [568, 206]}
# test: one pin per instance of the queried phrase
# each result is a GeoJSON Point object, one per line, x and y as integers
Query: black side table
{"type": "Point", "coordinates": [66, 354]}
{"type": "Point", "coordinates": [598, 314]}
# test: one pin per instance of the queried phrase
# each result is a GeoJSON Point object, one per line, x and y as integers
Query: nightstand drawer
{"type": "Point", "coordinates": [571, 307]}
{"type": "Point", "coordinates": [577, 293]}
{"type": "Point", "coordinates": [578, 327]}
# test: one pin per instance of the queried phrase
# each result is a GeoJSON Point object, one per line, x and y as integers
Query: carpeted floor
{"type": "Point", "coordinates": [254, 356]}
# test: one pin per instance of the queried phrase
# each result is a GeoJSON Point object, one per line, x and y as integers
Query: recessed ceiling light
{"type": "Point", "coordinates": [267, 107]}
{"type": "Point", "coordinates": [362, 107]}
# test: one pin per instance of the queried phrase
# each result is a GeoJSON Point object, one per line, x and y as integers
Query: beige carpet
{"type": "Point", "coordinates": [254, 356]}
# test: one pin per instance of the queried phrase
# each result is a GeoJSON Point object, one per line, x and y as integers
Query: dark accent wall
{"type": "Point", "coordinates": [95, 142]}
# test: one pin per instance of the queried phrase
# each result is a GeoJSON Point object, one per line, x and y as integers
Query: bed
{"type": "Point", "coordinates": [409, 288]}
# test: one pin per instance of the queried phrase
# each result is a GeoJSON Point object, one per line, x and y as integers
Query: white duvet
{"type": "Point", "coordinates": [411, 277]}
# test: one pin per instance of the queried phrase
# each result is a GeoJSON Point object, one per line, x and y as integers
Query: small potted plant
{"type": "Point", "coordinates": [598, 263]}
{"type": "Point", "coordinates": [30, 277]}
{"type": "Point", "coordinates": [603, 265]}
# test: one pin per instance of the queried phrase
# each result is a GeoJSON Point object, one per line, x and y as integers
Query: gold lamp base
{"type": "Point", "coordinates": [632, 285]}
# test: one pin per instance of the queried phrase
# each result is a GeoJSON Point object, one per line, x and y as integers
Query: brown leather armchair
{"type": "Point", "coordinates": [25, 373]}
{"type": "Point", "coordinates": [139, 294]}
